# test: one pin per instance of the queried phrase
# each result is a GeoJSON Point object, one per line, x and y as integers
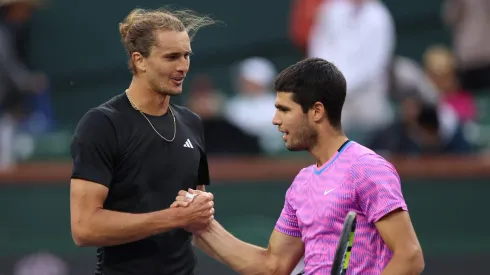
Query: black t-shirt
{"type": "Point", "coordinates": [114, 145]}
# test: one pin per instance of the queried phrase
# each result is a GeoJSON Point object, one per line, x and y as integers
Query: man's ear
{"type": "Point", "coordinates": [139, 61]}
{"type": "Point", "coordinates": [318, 112]}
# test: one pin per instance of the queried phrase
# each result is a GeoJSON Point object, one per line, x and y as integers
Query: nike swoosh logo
{"type": "Point", "coordinates": [328, 191]}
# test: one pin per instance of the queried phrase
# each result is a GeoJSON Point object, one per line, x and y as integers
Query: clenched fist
{"type": "Point", "coordinates": [197, 209]}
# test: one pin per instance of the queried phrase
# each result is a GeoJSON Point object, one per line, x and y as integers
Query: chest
{"type": "Point", "coordinates": [151, 161]}
{"type": "Point", "coordinates": [323, 205]}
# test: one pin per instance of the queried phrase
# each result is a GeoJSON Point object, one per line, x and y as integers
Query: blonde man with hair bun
{"type": "Point", "coordinates": [133, 153]}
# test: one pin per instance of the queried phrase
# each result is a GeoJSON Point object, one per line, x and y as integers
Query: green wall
{"type": "Point", "coordinates": [445, 213]}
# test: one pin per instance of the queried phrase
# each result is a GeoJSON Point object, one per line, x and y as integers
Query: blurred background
{"type": "Point", "coordinates": [418, 77]}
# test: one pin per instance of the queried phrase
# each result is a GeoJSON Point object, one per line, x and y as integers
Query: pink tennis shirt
{"type": "Point", "coordinates": [316, 204]}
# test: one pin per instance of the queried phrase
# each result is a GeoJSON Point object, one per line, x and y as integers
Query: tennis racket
{"type": "Point", "coordinates": [342, 253]}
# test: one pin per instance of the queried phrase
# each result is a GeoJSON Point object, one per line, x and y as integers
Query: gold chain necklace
{"type": "Point", "coordinates": [173, 116]}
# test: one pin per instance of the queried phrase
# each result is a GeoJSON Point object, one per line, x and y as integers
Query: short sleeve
{"type": "Point", "coordinates": [288, 221]}
{"type": "Point", "coordinates": [93, 148]}
{"type": "Point", "coordinates": [377, 187]}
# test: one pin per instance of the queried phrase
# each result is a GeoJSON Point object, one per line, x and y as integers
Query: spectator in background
{"type": "Point", "coordinates": [358, 36]}
{"type": "Point", "coordinates": [408, 77]}
{"type": "Point", "coordinates": [440, 66]}
{"type": "Point", "coordinates": [469, 21]}
{"type": "Point", "coordinates": [221, 136]}
{"type": "Point", "coordinates": [252, 108]}
{"type": "Point", "coordinates": [435, 137]}
{"type": "Point", "coordinates": [302, 16]}
{"type": "Point", "coordinates": [41, 263]}
{"type": "Point", "coordinates": [422, 128]}
{"type": "Point", "coordinates": [399, 137]}
{"type": "Point", "coordinates": [17, 82]}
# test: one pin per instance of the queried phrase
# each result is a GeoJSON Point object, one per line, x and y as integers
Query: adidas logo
{"type": "Point", "coordinates": [188, 144]}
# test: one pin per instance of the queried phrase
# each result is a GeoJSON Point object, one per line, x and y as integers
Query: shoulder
{"type": "Point", "coordinates": [373, 169]}
{"type": "Point", "coordinates": [366, 162]}
{"type": "Point", "coordinates": [115, 107]}
{"type": "Point", "coordinates": [186, 114]}
{"type": "Point", "coordinates": [370, 160]}
{"type": "Point", "coordinates": [93, 128]}
{"type": "Point", "coordinates": [100, 120]}
{"type": "Point", "coordinates": [93, 118]}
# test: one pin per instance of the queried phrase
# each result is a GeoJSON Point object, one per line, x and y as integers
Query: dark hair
{"type": "Point", "coordinates": [315, 80]}
{"type": "Point", "coordinates": [138, 28]}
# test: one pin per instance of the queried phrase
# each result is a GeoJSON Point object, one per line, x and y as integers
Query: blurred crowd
{"type": "Point", "coordinates": [25, 108]}
{"type": "Point", "coordinates": [395, 104]}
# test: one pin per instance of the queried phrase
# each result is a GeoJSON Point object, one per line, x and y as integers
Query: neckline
{"type": "Point", "coordinates": [342, 148]}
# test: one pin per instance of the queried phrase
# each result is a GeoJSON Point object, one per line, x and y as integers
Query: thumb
{"type": "Point", "coordinates": [194, 192]}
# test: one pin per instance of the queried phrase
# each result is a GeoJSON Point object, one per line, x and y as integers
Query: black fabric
{"type": "Point", "coordinates": [343, 145]}
{"type": "Point", "coordinates": [225, 139]}
{"type": "Point", "coordinates": [476, 80]}
{"type": "Point", "coordinates": [114, 145]}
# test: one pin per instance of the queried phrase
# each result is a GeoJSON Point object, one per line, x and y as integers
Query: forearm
{"type": "Point", "coordinates": [202, 245]}
{"type": "Point", "coordinates": [404, 264]}
{"type": "Point", "coordinates": [242, 257]}
{"type": "Point", "coordinates": [107, 228]}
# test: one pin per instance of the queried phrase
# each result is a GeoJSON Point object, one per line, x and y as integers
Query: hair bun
{"type": "Point", "coordinates": [127, 23]}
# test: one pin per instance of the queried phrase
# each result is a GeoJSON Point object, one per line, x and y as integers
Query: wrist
{"type": "Point", "coordinates": [171, 218]}
{"type": "Point", "coordinates": [208, 230]}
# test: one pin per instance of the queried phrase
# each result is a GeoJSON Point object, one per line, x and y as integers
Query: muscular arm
{"type": "Point", "coordinates": [397, 232]}
{"type": "Point", "coordinates": [280, 258]}
{"type": "Point", "coordinates": [91, 225]}
{"type": "Point", "coordinates": [200, 243]}
{"type": "Point", "coordinates": [380, 198]}
{"type": "Point", "coordinates": [93, 154]}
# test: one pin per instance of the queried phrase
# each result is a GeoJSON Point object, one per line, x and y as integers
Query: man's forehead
{"type": "Point", "coordinates": [284, 97]}
{"type": "Point", "coordinates": [173, 41]}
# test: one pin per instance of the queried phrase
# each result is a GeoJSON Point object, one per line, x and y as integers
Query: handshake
{"type": "Point", "coordinates": [196, 208]}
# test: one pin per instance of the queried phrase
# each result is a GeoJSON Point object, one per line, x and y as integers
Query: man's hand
{"type": "Point", "coordinates": [198, 206]}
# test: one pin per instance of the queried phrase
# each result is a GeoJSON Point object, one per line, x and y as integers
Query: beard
{"type": "Point", "coordinates": [304, 139]}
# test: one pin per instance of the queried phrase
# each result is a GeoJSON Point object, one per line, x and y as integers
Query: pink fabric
{"type": "Point", "coordinates": [319, 199]}
{"type": "Point", "coordinates": [464, 105]}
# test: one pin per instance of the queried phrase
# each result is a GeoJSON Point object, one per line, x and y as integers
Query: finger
{"type": "Point", "coordinates": [195, 192]}
{"type": "Point", "coordinates": [190, 197]}
{"type": "Point", "coordinates": [203, 197]}
{"type": "Point", "coordinates": [182, 193]}
{"type": "Point", "coordinates": [180, 198]}
{"type": "Point", "coordinates": [179, 204]}
{"type": "Point", "coordinates": [212, 211]}
{"type": "Point", "coordinates": [210, 196]}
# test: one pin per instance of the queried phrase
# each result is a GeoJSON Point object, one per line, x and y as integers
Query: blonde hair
{"type": "Point", "coordinates": [138, 28]}
{"type": "Point", "coordinates": [439, 59]}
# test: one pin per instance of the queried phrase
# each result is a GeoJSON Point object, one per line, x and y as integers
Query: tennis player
{"type": "Point", "coordinates": [347, 176]}
{"type": "Point", "coordinates": [132, 155]}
